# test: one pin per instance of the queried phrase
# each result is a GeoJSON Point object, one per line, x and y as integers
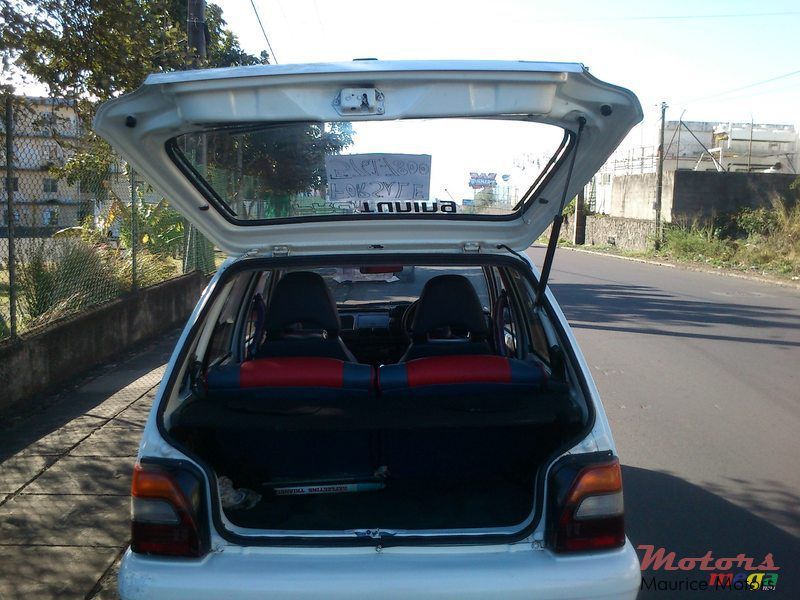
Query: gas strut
{"type": "Point", "coordinates": [558, 220]}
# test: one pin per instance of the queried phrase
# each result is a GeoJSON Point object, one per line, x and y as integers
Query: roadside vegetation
{"type": "Point", "coordinates": [763, 239]}
{"type": "Point", "coordinates": [88, 51]}
{"type": "Point", "coordinates": [80, 266]}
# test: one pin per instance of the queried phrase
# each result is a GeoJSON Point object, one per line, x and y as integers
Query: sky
{"type": "Point", "coordinates": [711, 58]}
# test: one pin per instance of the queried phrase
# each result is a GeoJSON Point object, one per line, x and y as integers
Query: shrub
{"type": "Point", "coordinates": [756, 221]}
{"type": "Point", "coordinates": [159, 228]}
{"type": "Point", "coordinates": [771, 239]}
{"type": "Point", "coordinates": [150, 268]}
{"type": "Point", "coordinates": [696, 242]}
{"type": "Point", "coordinates": [5, 330]}
{"type": "Point", "coordinates": [57, 277]}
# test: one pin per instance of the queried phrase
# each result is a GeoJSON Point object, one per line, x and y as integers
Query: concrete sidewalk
{"type": "Point", "coordinates": [65, 477]}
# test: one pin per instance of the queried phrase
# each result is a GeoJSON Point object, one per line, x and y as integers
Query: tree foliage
{"type": "Point", "coordinates": [287, 159]}
{"type": "Point", "coordinates": [98, 49]}
{"type": "Point", "coordinates": [159, 228]}
{"type": "Point", "coordinates": [93, 50]}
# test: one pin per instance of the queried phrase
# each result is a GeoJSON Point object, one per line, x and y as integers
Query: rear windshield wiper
{"type": "Point", "coordinates": [558, 220]}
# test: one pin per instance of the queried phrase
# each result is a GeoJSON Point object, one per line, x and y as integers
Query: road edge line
{"type": "Point", "coordinates": [690, 267]}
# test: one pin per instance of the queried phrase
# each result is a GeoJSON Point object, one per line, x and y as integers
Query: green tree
{"type": "Point", "coordinates": [93, 50]}
{"type": "Point", "coordinates": [97, 49]}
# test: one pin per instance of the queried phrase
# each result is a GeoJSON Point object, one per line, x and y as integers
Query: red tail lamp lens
{"type": "Point", "coordinates": [165, 506]}
{"type": "Point", "coordinates": [587, 508]}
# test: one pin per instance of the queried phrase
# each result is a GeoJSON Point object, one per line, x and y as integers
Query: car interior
{"type": "Point", "coordinates": [401, 397]}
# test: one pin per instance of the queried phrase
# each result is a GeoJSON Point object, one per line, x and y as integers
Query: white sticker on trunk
{"type": "Point", "coordinates": [334, 488]}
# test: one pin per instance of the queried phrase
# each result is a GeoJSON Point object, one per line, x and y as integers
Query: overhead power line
{"type": "Point", "coordinates": [786, 13]}
{"type": "Point", "coordinates": [264, 32]}
{"type": "Point", "coordinates": [711, 16]}
{"type": "Point", "coordinates": [747, 87]}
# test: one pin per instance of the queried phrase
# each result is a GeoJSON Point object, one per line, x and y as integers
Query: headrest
{"type": "Point", "coordinates": [449, 301]}
{"type": "Point", "coordinates": [302, 297]}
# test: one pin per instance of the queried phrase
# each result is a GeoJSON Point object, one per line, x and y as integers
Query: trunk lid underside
{"type": "Point", "coordinates": [251, 155]}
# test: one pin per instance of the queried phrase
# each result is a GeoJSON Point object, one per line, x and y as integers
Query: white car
{"type": "Point", "coordinates": [376, 394]}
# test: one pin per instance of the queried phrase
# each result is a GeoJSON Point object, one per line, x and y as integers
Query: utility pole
{"type": "Point", "coordinates": [134, 228]}
{"type": "Point", "coordinates": [196, 30]}
{"type": "Point", "coordinates": [660, 175]}
{"type": "Point", "coordinates": [198, 251]}
{"type": "Point", "coordinates": [579, 234]}
{"type": "Point", "coordinates": [12, 260]}
{"type": "Point", "coordinates": [678, 133]}
{"type": "Point", "coordinates": [750, 146]}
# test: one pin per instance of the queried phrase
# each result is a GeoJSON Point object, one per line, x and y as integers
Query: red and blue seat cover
{"type": "Point", "coordinates": [443, 375]}
{"type": "Point", "coordinates": [328, 376]}
{"type": "Point", "coordinates": [458, 371]}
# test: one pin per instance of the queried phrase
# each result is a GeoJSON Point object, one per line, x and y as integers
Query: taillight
{"type": "Point", "coordinates": [166, 506]}
{"type": "Point", "coordinates": [586, 510]}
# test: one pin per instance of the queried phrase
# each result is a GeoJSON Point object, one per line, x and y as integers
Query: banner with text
{"type": "Point", "coordinates": [362, 180]}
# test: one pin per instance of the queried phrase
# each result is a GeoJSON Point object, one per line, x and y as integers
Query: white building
{"type": "Point", "coordinates": [701, 146]}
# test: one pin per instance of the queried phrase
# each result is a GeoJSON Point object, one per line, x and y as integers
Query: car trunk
{"type": "Point", "coordinates": [449, 472]}
{"type": "Point", "coordinates": [370, 159]}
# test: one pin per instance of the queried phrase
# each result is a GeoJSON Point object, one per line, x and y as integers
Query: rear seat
{"type": "Point", "coordinates": [460, 377]}
{"type": "Point", "coordinates": [262, 383]}
{"type": "Point", "coordinates": [285, 387]}
{"type": "Point", "coordinates": [479, 386]}
{"type": "Point", "coordinates": [418, 389]}
{"type": "Point", "coordinates": [266, 380]}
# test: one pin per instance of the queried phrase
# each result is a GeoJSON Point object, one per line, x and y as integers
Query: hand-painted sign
{"type": "Point", "coordinates": [378, 177]}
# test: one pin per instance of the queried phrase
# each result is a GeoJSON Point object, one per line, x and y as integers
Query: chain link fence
{"type": "Point", "coordinates": [78, 228]}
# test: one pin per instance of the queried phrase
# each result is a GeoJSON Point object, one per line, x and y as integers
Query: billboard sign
{"type": "Point", "coordinates": [479, 181]}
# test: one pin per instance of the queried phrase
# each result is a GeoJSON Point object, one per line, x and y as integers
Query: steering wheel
{"type": "Point", "coordinates": [408, 317]}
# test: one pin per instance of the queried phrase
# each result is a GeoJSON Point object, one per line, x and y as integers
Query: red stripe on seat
{"type": "Point", "coordinates": [292, 372]}
{"type": "Point", "coordinates": [458, 369]}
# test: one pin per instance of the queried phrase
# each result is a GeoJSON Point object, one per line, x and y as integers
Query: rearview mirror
{"type": "Point", "coordinates": [374, 270]}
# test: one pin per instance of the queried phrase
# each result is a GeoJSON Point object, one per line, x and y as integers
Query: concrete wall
{"type": "Point", "coordinates": [634, 196]}
{"type": "Point", "coordinates": [40, 361]}
{"type": "Point", "coordinates": [691, 195]}
{"type": "Point", "coordinates": [604, 230]}
{"type": "Point", "coordinates": [704, 194]}
{"type": "Point", "coordinates": [627, 234]}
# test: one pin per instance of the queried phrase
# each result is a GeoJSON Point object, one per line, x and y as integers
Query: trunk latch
{"type": "Point", "coordinates": [472, 247]}
{"type": "Point", "coordinates": [363, 101]}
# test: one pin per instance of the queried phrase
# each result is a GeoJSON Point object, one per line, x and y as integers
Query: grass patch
{"type": "Point", "coordinates": [766, 240]}
{"type": "Point", "coordinates": [64, 275]}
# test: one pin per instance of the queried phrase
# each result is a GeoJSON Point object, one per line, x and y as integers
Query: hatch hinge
{"type": "Point", "coordinates": [278, 251]}
{"type": "Point", "coordinates": [472, 247]}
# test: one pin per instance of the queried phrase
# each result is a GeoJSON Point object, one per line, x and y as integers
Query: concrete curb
{"type": "Point", "coordinates": [692, 267]}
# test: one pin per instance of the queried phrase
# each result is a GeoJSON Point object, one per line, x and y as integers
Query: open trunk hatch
{"type": "Point", "coordinates": [340, 157]}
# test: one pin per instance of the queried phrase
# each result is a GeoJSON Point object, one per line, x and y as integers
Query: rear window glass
{"type": "Point", "coordinates": [419, 167]}
{"type": "Point", "coordinates": [351, 286]}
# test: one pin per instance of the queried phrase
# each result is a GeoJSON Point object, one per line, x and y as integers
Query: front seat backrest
{"type": "Point", "coordinates": [302, 319]}
{"type": "Point", "coordinates": [449, 320]}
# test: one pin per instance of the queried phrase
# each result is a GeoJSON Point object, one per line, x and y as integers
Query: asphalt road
{"type": "Point", "coordinates": [700, 377]}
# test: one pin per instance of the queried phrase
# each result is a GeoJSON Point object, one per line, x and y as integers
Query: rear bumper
{"type": "Point", "coordinates": [507, 572]}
